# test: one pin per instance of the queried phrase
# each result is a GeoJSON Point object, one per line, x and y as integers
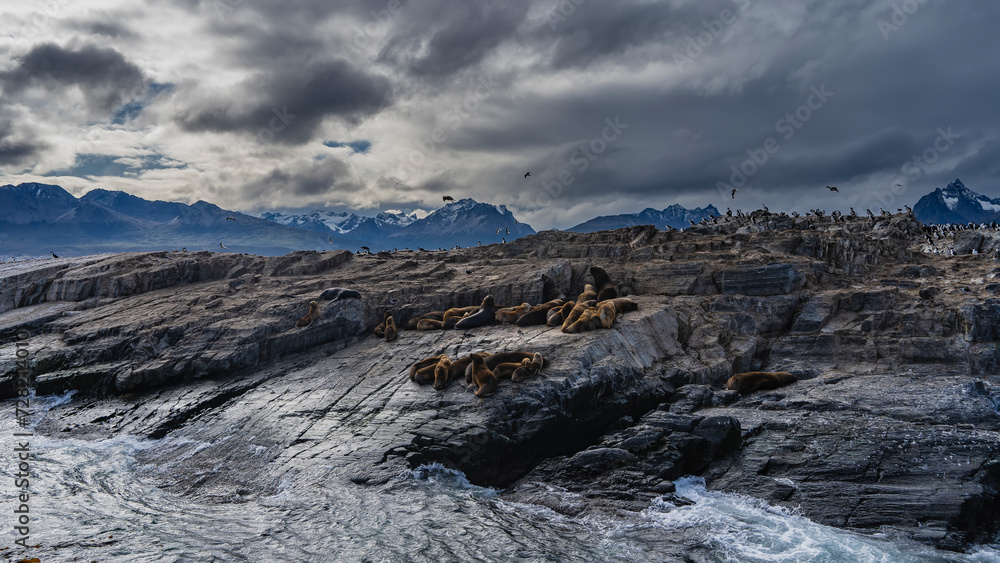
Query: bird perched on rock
{"type": "Point", "coordinates": [448, 198]}
{"type": "Point", "coordinates": [53, 254]}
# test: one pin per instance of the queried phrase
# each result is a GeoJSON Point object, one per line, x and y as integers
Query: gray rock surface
{"type": "Point", "coordinates": [892, 424]}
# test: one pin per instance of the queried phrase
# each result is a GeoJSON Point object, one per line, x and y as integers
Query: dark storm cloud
{"type": "Point", "coordinates": [292, 101]}
{"type": "Point", "coordinates": [315, 180]}
{"type": "Point", "coordinates": [444, 38]}
{"type": "Point", "coordinates": [13, 148]}
{"type": "Point", "coordinates": [104, 75]}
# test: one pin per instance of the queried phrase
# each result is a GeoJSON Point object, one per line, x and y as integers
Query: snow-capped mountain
{"type": "Point", "coordinates": [676, 216]}
{"type": "Point", "coordinates": [342, 223]}
{"type": "Point", "coordinates": [36, 219]}
{"type": "Point", "coordinates": [465, 222]}
{"type": "Point", "coordinates": [956, 204]}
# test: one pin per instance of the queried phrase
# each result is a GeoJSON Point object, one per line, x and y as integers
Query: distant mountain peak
{"type": "Point", "coordinates": [676, 216]}
{"type": "Point", "coordinates": [956, 203]}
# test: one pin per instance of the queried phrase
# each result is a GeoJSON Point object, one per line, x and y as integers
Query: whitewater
{"type": "Point", "coordinates": [94, 501]}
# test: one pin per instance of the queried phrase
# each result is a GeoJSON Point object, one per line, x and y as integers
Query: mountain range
{"type": "Point", "coordinates": [956, 204]}
{"type": "Point", "coordinates": [675, 216]}
{"type": "Point", "coordinates": [36, 219]}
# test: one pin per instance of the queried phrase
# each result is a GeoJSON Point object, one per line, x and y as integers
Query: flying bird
{"type": "Point", "coordinates": [331, 239]}
{"type": "Point", "coordinates": [448, 198]}
{"type": "Point", "coordinates": [526, 174]}
{"type": "Point", "coordinates": [498, 230]}
{"type": "Point", "coordinates": [734, 193]}
{"type": "Point", "coordinates": [506, 231]}
{"type": "Point", "coordinates": [221, 245]}
{"type": "Point", "coordinates": [230, 218]}
{"type": "Point", "coordinates": [833, 189]}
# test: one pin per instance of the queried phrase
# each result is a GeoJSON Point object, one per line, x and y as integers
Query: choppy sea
{"type": "Point", "coordinates": [92, 501]}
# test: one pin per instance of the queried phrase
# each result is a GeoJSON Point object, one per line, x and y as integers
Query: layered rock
{"type": "Point", "coordinates": [893, 421]}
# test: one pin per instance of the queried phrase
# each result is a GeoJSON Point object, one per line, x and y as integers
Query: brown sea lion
{"type": "Point", "coordinates": [433, 315]}
{"type": "Point", "coordinates": [309, 317]}
{"type": "Point", "coordinates": [554, 317]}
{"type": "Point", "coordinates": [530, 369]}
{"type": "Point", "coordinates": [508, 315]}
{"type": "Point", "coordinates": [602, 281]}
{"type": "Point", "coordinates": [622, 305]}
{"type": "Point", "coordinates": [482, 376]}
{"type": "Point", "coordinates": [751, 381]}
{"type": "Point", "coordinates": [589, 292]}
{"type": "Point", "coordinates": [442, 372]}
{"type": "Point", "coordinates": [588, 320]}
{"type": "Point", "coordinates": [390, 329]}
{"type": "Point", "coordinates": [506, 369]}
{"type": "Point", "coordinates": [423, 364]}
{"type": "Point", "coordinates": [459, 368]}
{"type": "Point", "coordinates": [606, 313]}
{"type": "Point", "coordinates": [458, 312]}
{"type": "Point", "coordinates": [380, 329]}
{"type": "Point", "coordinates": [538, 314]}
{"type": "Point", "coordinates": [575, 313]}
{"type": "Point", "coordinates": [429, 324]}
{"type": "Point", "coordinates": [485, 315]}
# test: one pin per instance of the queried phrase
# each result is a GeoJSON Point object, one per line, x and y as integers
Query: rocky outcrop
{"type": "Point", "coordinates": [893, 421]}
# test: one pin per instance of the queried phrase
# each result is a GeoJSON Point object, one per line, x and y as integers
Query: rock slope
{"type": "Point", "coordinates": [893, 424]}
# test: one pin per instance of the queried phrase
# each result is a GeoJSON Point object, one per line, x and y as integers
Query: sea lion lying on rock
{"type": "Point", "coordinates": [485, 315]}
{"type": "Point", "coordinates": [419, 370]}
{"type": "Point", "coordinates": [508, 315]}
{"type": "Point", "coordinates": [442, 372]}
{"type": "Point", "coordinates": [380, 329]}
{"type": "Point", "coordinates": [433, 315]}
{"type": "Point", "coordinates": [507, 369]}
{"type": "Point", "coordinates": [309, 317]}
{"type": "Point", "coordinates": [579, 309]}
{"type": "Point", "coordinates": [390, 329]}
{"type": "Point", "coordinates": [529, 368]}
{"type": "Point", "coordinates": [589, 292]}
{"type": "Point", "coordinates": [429, 324]}
{"type": "Point", "coordinates": [751, 381]}
{"type": "Point", "coordinates": [538, 314]}
{"type": "Point", "coordinates": [335, 293]}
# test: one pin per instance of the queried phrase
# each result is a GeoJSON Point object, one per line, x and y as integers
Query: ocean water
{"type": "Point", "coordinates": [92, 501]}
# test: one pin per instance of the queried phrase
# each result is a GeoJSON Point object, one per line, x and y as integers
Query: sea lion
{"type": "Point", "coordinates": [606, 313]}
{"type": "Point", "coordinates": [529, 369]}
{"type": "Point", "coordinates": [460, 367]}
{"type": "Point", "coordinates": [486, 314]}
{"type": "Point", "coordinates": [482, 376]}
{"type": "Point", "coordinates": [589, 292]}
{"type": "Point", "coordinates": [588, 320]}
{"type": "Point", "coordinates": [622, 305]}
{"type": "Point", "coordinates": [429, 324]}
{"type": "Point", "coordinates": [390, 329]}
{"type": "Point", "coordinates": [494, 360]}
{"type": "Point", "coordinates": [336, 293]}
{"type": "Point", "coordinates": [309, 317]}
{"type": "Point", "coordinates": [575, 313]}
{"type": "Point", "coordinates": [433, 315]}
{"type": "Point", "coordinates": [751, 381]}
{"type": "Point", "coordinates": [380, 329]}
{"type": "Point", "coordinates": [506, 369]}
{"type": "Point", "coordinates": [508, 315]}
{"type": "Point", "coordinates": [442, 372]}
{"type": "Point", "coordinates": [554, 316]}
{"type": "Point", "coordinates": [538, 314]}
{"type": "Point", "coordinates": [602, 281]}
{"type": "Point", "coordinates": [423, 364]}
{"type": "Point", "coordinates": [459, 312]}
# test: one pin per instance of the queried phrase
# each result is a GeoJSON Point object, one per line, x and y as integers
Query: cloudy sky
{"type": "Point", "coordinates": [372, 105]}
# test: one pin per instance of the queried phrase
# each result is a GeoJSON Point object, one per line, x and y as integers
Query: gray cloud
{"type": "Point", "coordinates": [104, 75]}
